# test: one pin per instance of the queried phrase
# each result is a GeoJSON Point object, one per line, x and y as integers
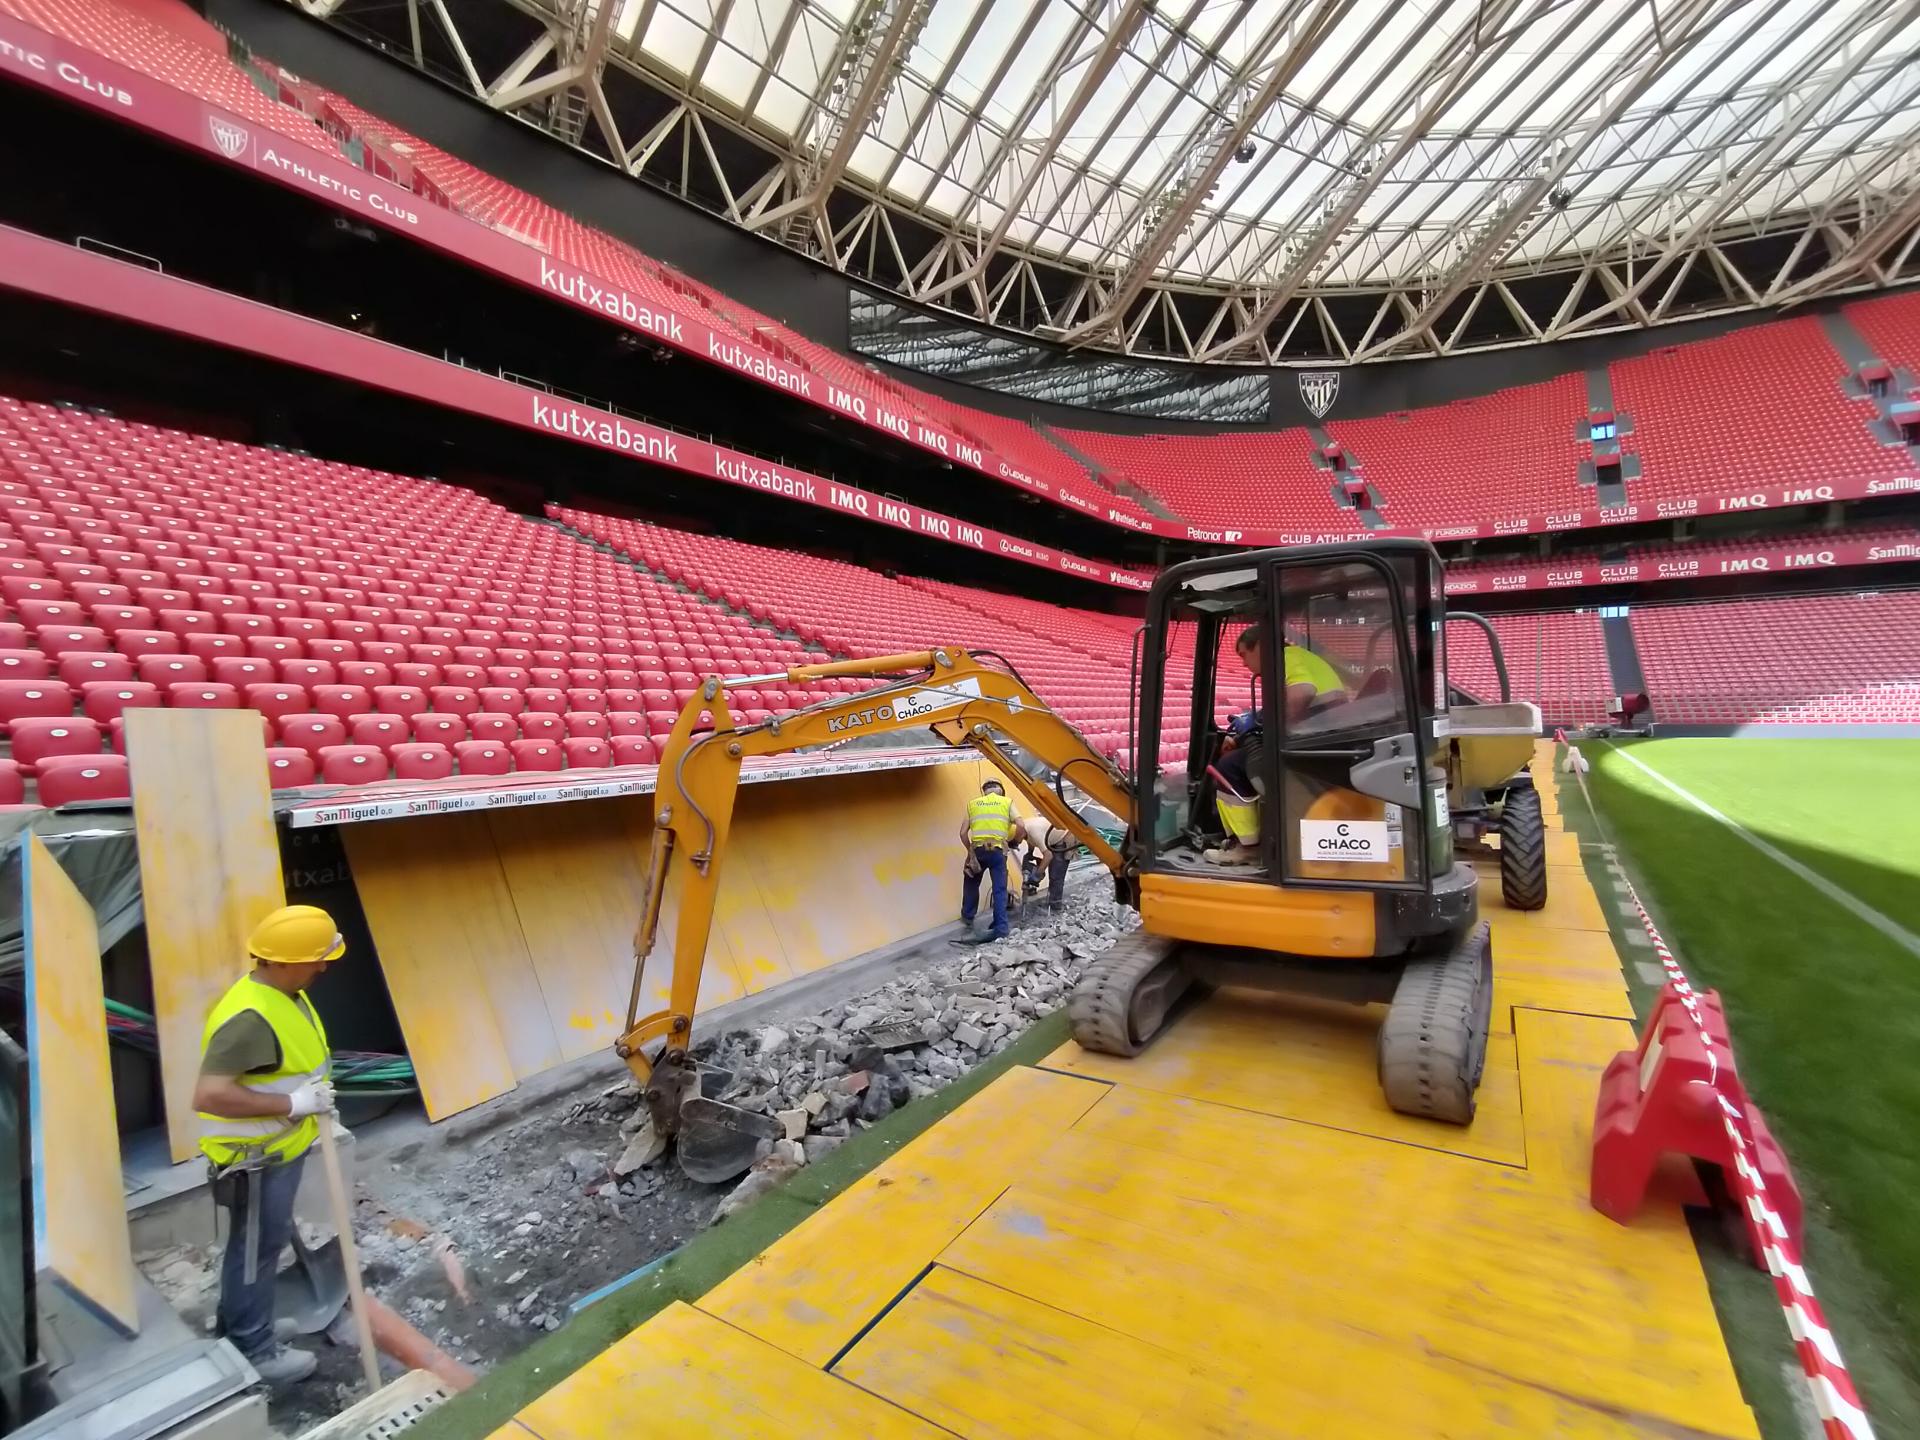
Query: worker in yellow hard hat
{"type": "Point", "coordinates": [262, 1095]}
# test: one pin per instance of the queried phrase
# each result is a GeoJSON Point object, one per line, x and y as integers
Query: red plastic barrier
{"type": "Point", "coordinates": [1668, 1097]}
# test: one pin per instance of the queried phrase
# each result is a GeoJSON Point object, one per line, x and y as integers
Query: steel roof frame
{"type": "Point", "coordinates": [1650, 220]}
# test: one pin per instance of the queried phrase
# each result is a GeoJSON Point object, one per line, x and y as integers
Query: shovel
{"type": "Point", "coordinates": [308, 1294]}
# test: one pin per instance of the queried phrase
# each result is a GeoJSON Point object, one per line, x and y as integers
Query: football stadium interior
{"type": "Point", "coordinates": [1405, 516]}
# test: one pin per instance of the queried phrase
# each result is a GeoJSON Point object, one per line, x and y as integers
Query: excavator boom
{"type": "Point", "coordinates": [948, 691]}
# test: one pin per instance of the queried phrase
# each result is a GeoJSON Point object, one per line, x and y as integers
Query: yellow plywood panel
{"type": "Point", "coordinates": [1563, 848]}
{"type": "Point", "coordinates": [813, 1290]}
{"type": "Point", "coordinates": [1305, 1061]}
{"type": "Point", "coordinates": [1578, 997]}
{"type": "Point", "coordinates": [685, 1373]}
{"type": "Point", "coordinates": [1550, 951]}
{"type": "Point", "coordinates": [209, 872]}
{"type": "Point", "coordinates": [455, 961]}
{"type": "Point", "coordinates": [1205, 1275]}
{"type": "Point", "coordinates": [80, 1232]}
{"type": "Point", "coordinates": [989, 1363]}
{"type": "Point", "coordinates": [576, 884]}
{"type": "Point", "coordinates": [1561, 1060]}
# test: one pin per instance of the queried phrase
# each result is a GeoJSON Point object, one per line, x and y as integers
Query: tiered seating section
{"type": "Point", "coordinates": [1827, 659]}
{"type": "Point", "coordinates": [1231, 481]}
{"type": "Point", "coordinates": [1757, 409]}
{"type": "Point", "coordinates": [851, 610]}
{"type": "Point", "coordinates": [1512, 453]}
{"type": "Point", "coordinates": [1752, 410]}
{"type": "Point", "coordinates": [1891, 324]}
{"type": "Point", "coordinates": [1556, 660]}
{"type": "Point", "coordinates": [380, 625]}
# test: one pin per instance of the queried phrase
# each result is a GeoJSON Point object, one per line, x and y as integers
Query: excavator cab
{"type": "Point", "coordinates": [1314, 680]}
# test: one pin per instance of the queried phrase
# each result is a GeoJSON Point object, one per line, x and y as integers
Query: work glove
{"type": "Point", "coordinates": [311, 1099]}
{"type": "Point", "coordinates": [973, 866]}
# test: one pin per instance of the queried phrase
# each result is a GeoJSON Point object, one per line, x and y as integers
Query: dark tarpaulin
{"type": "Point", "coordinates": [96, 848]}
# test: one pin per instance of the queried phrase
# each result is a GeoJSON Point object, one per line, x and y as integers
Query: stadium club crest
{"type": "Point", "coordinates": [1317, 390]}
{"type": "Point", "coordinates": [231, 138]}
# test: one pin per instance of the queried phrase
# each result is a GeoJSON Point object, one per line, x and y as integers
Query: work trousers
{"type": "Point", "coordinates": [992, 861]}
{"type": "Point", "coordinates": [246, 1311]}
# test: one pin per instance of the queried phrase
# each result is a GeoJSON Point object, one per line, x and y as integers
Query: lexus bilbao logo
{"type": "Point", "coordinates": [231, 138]}
{"type": "Point", "coordinates": [1318, 389]}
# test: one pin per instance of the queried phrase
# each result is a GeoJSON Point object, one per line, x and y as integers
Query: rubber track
{"type": "Point", "coordinates": [1433, 1045]}
{"type": "Point", "coordinates": [1100, 1003]}
{"type": "Point", "coordinates": [1523, 850]}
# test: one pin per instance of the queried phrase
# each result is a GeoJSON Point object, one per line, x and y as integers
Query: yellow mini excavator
{"type": "Point", "coordinates": [1328, 748]}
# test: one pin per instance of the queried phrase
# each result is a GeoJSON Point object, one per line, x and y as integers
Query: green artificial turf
{"type": "Point", "coordinates": [1824, 1008]}
{"type": "Point", "coordinates": [715, 1254]}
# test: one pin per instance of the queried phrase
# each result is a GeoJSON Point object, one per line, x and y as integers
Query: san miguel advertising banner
{"type": "Point", "coordinates": [1704, 562]}
{"type": "Point", "coordinates": [63, 68]}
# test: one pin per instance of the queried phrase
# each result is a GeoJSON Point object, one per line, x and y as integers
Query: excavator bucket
{"type": "Point", "coordinates": [712, 1140]}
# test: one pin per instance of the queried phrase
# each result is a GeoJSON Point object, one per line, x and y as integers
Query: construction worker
{"type": "Point", "coordinates": [1310, 683]}
{"type": "Point", "coordinates": [1048, 844]}
{"type": "Point", "coordinates": [262, 1095]}
{"type": "Point", "coordinates": [986, 833]}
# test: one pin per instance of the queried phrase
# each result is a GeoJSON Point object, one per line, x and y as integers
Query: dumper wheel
{"type": "Point", "coordinates": [1523, 850]}
{"type": "Point", "coordinates": [1433, 1046]}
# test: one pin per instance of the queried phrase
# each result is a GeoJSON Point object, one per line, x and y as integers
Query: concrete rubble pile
{"type": "Point", "coordinates": [822, 1076]}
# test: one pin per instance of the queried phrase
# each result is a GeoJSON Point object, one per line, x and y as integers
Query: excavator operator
{"type": "Point", "coordinates": [988, 830]}
{"type": "Point", "coordinates": [1311, 684]}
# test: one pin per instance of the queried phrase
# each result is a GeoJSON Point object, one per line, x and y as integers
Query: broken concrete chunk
{"type": "Point", "coordinates": [643, 1149]}
{"type": "Point", "coordinates": [794, 1122]}
{"type": "Point", "coordinates": [770, 1040]}
{"type": "Point", "coordinates": [764, 1176]}
{"type": "Point", "coordinates": [818, 1147]}
{"type": "Point", "coordinates": [814, 1103]}
{"type": "Point", "coordinates": [969, 1035]}
{"type": "Point", "coordinates": [792, 1151]}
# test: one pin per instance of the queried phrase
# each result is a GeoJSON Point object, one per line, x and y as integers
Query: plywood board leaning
{"type": "Point", "coordinates": [80, 1235]}
{"type": "Point", "coordinates": [456, 964]}
{"type": "Point", "coordinates": [209, 872]}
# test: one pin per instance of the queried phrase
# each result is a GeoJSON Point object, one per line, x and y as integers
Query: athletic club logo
{"type": "Point", "coordinates": [1317, 389]}
{"type": "Point", "coordinates": [231, 138]}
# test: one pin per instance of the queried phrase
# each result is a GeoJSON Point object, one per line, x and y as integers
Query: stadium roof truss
{"type": "Point", "coordinates": [1249, 181]}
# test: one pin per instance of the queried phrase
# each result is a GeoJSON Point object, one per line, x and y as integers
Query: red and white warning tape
{"type": "Point", "coordinates": [1834, 1396]}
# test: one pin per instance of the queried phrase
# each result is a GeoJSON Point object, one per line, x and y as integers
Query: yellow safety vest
{"type": "Point", "coordinates": [989, 822]}
{"type": "Point", "coordinates": [1303, 667]}
{"type": "Point", "coordinates": [304, 1058]}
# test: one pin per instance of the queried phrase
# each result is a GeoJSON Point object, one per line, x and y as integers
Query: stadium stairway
{"type": "Point", "coordinates": [1623, 656]}
{"type": "Point", "coordinates": [1144, 498]}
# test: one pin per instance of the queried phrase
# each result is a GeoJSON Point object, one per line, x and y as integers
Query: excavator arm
{"type": "Point", "coordinates": [948, 691]}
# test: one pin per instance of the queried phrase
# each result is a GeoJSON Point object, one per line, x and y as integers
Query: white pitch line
{"type": "Point", "coordinates": [1840, 896]}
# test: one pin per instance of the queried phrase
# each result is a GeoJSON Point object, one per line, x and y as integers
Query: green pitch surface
{"type": "Point", "coordinates": [1821, 985]}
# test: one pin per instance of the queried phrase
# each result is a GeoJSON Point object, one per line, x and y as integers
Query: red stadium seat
{"type": "Point", "coordinates": [70, 779]}
{"type": "Point", "coordinates": [632, 750]}
{"type": "Point", "coordinates": [399, 699]}
{"type": "Point", "coordinates": [137, 644]}
{"type": "Point", "coordinates": [341, 700]}
{"type": "Point", "coordinates": [626, 722]}
{"type": "Point", "coordinates": [365, 672]}
{"type": "Point", "coordinates": [276, 700]}
{"type": "Point", "coordinates": [209, 648]}
{"type": "Point", "coordinates": [502, 700]}
{"type": "Point", "coordinates": [36, 739]}
{"type": "Point", "coordinates": [307, 672]}
{"type": "Point", "coordinates": [103, 700]}
{"type": "Point", "coordinates": [541, 725]}
{"type": "Point", "coordinates": [165, 670]}
{"type": "Point", "coordinates": [553, 702]}
{"type": "Point", "coordinates": [585, 753]}
{"type": "Point", "coordinates": [13, 785]}
{"type": "Point", "coordinates": [422, 761]}
{"type": "Point", "coordinates": [591, 724]}
{"type": "Point", "coordinates": [77, 667]}
{"type": "Point", "coordinates": [352, 764]}
{"type": "Point", "coordinates": [242, 670]}
{"type": "Point", "coordinates": [438, 728]}
{"type": "Point", "coordinates": [21, 699]}
{"type": "Point", "coordinates": [490, 725]}
{"type": "Point", "coordinates": [312, 733]}
{"type": "Point", "coordinates": [24, 664]}
{"type": "Point", "coordinates": [537, 755]}
{"type": "Point", "coordinates": [483, 757]}
{"type": "Point", "coordinates": [58, 640]}
{"type": "Point", "coordinates": [289, 767]}
{"type": "Point", "coordinates": [202, 695]}
{"type": "Point", "coordinates": [385, 731]}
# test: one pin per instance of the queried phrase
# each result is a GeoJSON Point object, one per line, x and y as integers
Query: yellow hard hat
{"type": "Point", "coordinates": [296, 935]}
